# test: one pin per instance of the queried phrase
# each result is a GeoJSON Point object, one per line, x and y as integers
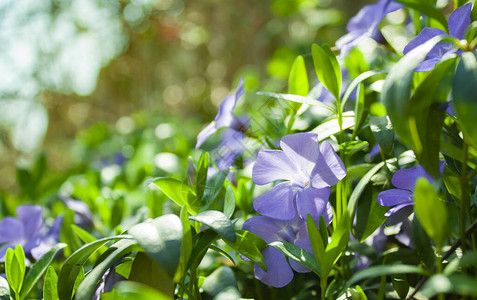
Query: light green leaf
{"type": "Point", "coordinates": [38, 269]}
{"type": "Point", "coordinates": [175, 190]}
{"type": "Point", "coordinates": [15, 268]}
{"type": "Point", "coordinates": [457, 284]}
{"type": "Point", "coordinates": [327, 68]}
{"type": "Point", "coordinates": [218, 222]}
{"type": "Point", "coordinates": [133, 290]}
{"type": "Point", "coordinates": [298, 78]}
{"type": "Point", "coordinates": [250, 246]}
{"type": "Point", "coordinates": [229, 203]}
{"type": "Point", "coordinates": [50, 289]}
{"type": "Point", "coordinates": [431, 212]}
{"type": "Point", "coordinates": [298, 99]}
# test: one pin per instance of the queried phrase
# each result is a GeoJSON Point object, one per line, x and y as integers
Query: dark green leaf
{"type": "Point", "coordinates": [464, 91]}
{"type": "Point", "coordinates": [298, 254]}
{"type": "Point", "coordinates": [360, 187]}
{"type": "Point", "coordinates": [74, 264]}
{"type": "Point", "coordinates": [250, 246]}
{"type": "Point", "coordinates": [67, 235]}
{"type": "Point", "coordinates": [382, 130]}
{"type": "Point", "coordinates": [117, 212]}
{"type": "Point", "coordinates": [161, 239]}
{"type": "Point", "coordinates": [369, 214]}
{"type": "Point", "coordinates": [144, 270]}
{"type": "Point", "coordinates": [87, 287]}
{"type": "Point", "coordinates": [213, 188]}
{"type": "Point", "coordinates": [218, 222]}
{"type": "Point", "coordinates": [201, 176]}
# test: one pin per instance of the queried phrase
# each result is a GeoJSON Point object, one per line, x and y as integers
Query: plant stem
{"type": "Point", "coordinates": [323, 283]}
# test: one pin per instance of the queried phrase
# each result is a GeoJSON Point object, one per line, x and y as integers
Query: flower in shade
{"type": "Point", "coordinates": [405, 181]}
{"type": "Point", "coordinates": [365, 25]}
{"type": "Point", "coordinates": [29, 231]}
{"type": "Point", "coordinates": [459, 21]}
{"type": "Point", "coordinates": [225, 116]}
{"type": "Point", "coordinates": [280, 272]}
{"type": "Point", "coordinates": [307, 169]}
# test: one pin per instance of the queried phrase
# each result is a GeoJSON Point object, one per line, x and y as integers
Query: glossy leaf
{"type": "Point", "coordinates": [175, 190]}
{"type": "Point", "coordinates": [15, 268]}
{"type": "Point", "coordinates": [161, 239]}
{"type": "Point", "coordinates": [297, 99]}
{"type": "Point", "coordinates": [229, 202]}
{"type": "Point", "coordinates": [218, 222]}
{"type": "Point", "coordinates": [383, 131]}
{"type": "Point", "coordinates": [298, 254]}
{"type": "Point", "coordinates": [213, 188]}
{"type": "Point", "coordinates": [249, 245]}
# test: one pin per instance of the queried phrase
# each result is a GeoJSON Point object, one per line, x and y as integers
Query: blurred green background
{"type": "Point", "coordinates": [94, 83]}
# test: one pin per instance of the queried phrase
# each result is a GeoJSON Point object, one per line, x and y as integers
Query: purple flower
{"type": "Point", "coordinates": [405, 181]}
{"type": "Point", "coordinates": [308, 171]}
{"type": "Point", "coordinates": [83, 215]}
{"type": "Point", "coordinates": [28, 230]}
{"type": "Point", "coordinates": [279, 272]}
{"type": "Point", "coordinates": [225, 116]}
{"type": "Point", "coordinates": [365, 25]}
{"type": "Point", "coordinates": [459, 21]}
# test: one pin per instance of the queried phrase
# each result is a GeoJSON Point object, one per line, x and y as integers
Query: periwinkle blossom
{"type": "Point", "coordinates": [365, 25]}
{"type": "Point", "coordinates": [280, 272]}
{"type": "Point", "coordinates": [307, 169]}
{"type": "Point", "coordinates": [225, 116]}
{"type": "Point", "coordinates": [29, 231]}
{"type": "Point", "coordinates": [405, 181]}
{"type": "Point", "coordinates": [458, 23]}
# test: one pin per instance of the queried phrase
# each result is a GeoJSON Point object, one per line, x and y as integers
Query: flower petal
{"type": "Point", "coordinates": [394, 197]}
{"type": "Point", "coordinates": [311, 201]}
{"type": "Point", "coordinates": [32, 218]}
{"type": "Point", "coordinates": [406, 178]}
{"type": "Point", "coordinates": [428, 64]}
{"type": "Point", "coordinates": [302, 148]}
{"type": "Point", "coordinates": [426, 34]}
{"type": "Point", "coordinates": [272, 165]}
{"type": "Point", "coordinates": [11, 229]}
{"type": "Point", "coordinates": [459, 21]}
{"type": "Point", "coordinates": [278, 202]}
{"type": "Point", "coordinates": [266, 228]}
{"type": "Point", "coordinates": [278, 272]}
{"type": "Point", "coordinates": [329, 168]}
{"type": "Point", "coordinates": [205, 133]}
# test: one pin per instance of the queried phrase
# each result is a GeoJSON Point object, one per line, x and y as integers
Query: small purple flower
{"type": "Point", "coordinates": [279, 272]}
{"type": "Point", "coordinates": [28, 230]}
{"type": "Point", "coordinates": [365, 25]}
{"type": "Point", "coordinates": [83, 215]}
{"type": "Point", "coordinates": [308, 171]}
{"type": "Point", "coordinates": [225, 116]}
{"type": "Point", "coordinates": [405, 181]}
{"type": "Point", "coordinates": [459, 21]}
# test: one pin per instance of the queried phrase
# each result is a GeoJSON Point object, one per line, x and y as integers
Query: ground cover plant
{"type": "Point", "coordinates": [356, 181]}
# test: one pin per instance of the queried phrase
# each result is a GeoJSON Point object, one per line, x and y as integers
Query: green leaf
{"type": "Point", "coordinates": [369, 214]}
{"type": "Point", "coordinates": [457, 284]}
{"type": "Point", "coordinates": [229, 203]}
{"type": "Point", "coordinates": [426, 115]}
{"type": "Point", "coordinates": [87, 287]}
{"type": "Point", "coordinates": [133, 290]}
{"type": "Point", "coordinates": [201, 175]}
{"type": "Point", "coordinates": [66, 233]}
{"type": "Point", "coordinates": [429, 11]}
{"type": "Point", "coordinates": [431, 212]}
{"type": "Point", "coordinates": [397, 88]}
{"type": "Point", "coordinates": [50, 289]}
{"type": "Point", "coordinates": [358, 190]}
{"type": "Point", "coordinates": [298, 254]}
{"type": "Point", "coordinates": [5, 289]}
{"type": "Point", "coordinates": [74, 264]}
{"type": "Point", "coordinates": [117, 212]}
{"type": "Point", "coordinates": [38, 269]}
{"type": "Point", "coordinates": [175, 190]}
{"type": "Point", "coordinates": [191, 173]}
{"type": "Point", "coordinates": [218, 222]}
{"type": "Point", "coordinates": [351, 147]}
{"type": "Point", "coordinates": [422, 244]}
{"type": "Point", "coordinates": [297, 99]}
{"type": "Point", "coordinates": [317, 244]}
{"type": "Point", "coordinates": [382, 130]}
{"type": "Point", "coordinates": [219, 280]}
{"type": "Point", "coordinates": [464, 91]}
{"type": "Point", "coordinates": [339, 242]}
{"type": "Point", "coordinates": [161, 239]}
{"type": "Point", "coordinates": [186, 249]}
{"type": "Point", "coordinates": [327, 68]}
{"type": "Point", "coordinates": [144, 270]}
{"type": "Point", "coordinates": [249, 245]}
{"type": "Point", "coordinates": [213, 188]}
{"type": "Point", "coordinates": [359, 109]}
{"type": "Point", "coordinates": [469, 259]}
{"type": "Point", "coordinates": [356, 82]}
{"type": "Point", "coordinates": [15, 268]}
{"type": "Point", "coordinates": [298, 78]}
{"type": "Point", "coordinates": [400, 284]}
{"type": "Point", "coordinates": [377, 271]}
{"type": "Point", "coordinates": [330, 127]}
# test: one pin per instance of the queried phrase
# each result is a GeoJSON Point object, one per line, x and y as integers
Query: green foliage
{"type": "Point", "coordinates": [327, 68]}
